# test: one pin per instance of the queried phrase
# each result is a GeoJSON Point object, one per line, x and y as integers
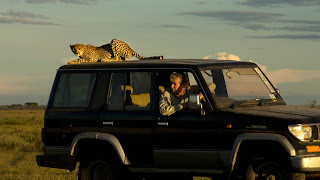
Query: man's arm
{"type": "Point", "coordinates": [166, 108]}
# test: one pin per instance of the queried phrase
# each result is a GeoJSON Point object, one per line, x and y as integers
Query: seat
{"type": "Point", "coordinates": [141, 100]}
{"type": "Point", "coordinates": [161, 89]}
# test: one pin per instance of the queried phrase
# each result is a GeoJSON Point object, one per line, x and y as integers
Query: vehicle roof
{"type": "Point", "coordinates": [166, 63]}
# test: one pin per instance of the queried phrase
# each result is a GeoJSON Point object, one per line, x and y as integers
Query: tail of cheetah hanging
{"type": "Point", "coordinates": [122, 50]}
{"type": "Point", "coordinates": [146, 58]}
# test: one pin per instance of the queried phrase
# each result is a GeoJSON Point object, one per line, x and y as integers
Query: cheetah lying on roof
{"type": "Point", "coordinates": [114, 51]}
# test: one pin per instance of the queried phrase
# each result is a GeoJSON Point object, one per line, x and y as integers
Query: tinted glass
{"type": "Point", "coordinates": [130, 91]}
{"type": "Point", "coordinates": [74, 90]}
{"type": "Point", "coordinates": [116, 94]}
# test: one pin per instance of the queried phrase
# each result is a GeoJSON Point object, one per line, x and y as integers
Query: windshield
{"type": "Point", "coordinates": [240, 86]}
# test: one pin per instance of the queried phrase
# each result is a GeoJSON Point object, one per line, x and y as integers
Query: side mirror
{"type": "Point", "coordinates": [194, 103]}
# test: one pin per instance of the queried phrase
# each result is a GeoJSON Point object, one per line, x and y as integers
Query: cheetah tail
{"type": "Point", "coordinates": [146, 58]}
{"type": "Point", "coordinates": [152, 58]}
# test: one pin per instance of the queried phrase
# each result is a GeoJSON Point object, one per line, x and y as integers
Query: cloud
{"type": "Point", "coordinates": [11, 20]}
{"type": "Point", "coordinates": [273, 3]}
{"type": "Point", "coordinates": [237, 15]}
{"type": "Point", "coordinates": [23, 14]}
{"type": "Point", "coordinates": [85, 2]}
{"type": "Point", "coordinates": [201, 3]}
{"type": "Point", "coordinates": [256, 21]}
{"type": "Point", "coordinates": [23, 17]}
{"type": "Point", "coordinates": [301, 28]}
{"type": "Point", "coordinates": [290, 36]}
{"type": "Point", "coordinates": [164, 25]}
{"type": "Point", "coordinates": [172, 26]}
{"type": "Point", "coordinates": [20, 84]}
{"type": "Point", "coordinates": [278, 76]}
{"type": "Point", "coordinates": [299, 21]}
{"type": "Point", "coordinates": [226, 56]}
{"type": "Point", "coordinates": [257, 27]}
{"type": "Point", "coordinates": [293, 75]}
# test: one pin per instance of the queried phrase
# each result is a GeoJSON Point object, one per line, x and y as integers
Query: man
{"type": "Point", "coordinates": [176, 97]}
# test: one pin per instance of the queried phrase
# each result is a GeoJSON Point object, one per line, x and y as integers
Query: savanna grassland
{"type": "Point", "coordinates": [20, 142]}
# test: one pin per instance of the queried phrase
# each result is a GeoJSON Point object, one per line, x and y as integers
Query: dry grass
{"type": "Point", "coordinates": [20, 142]}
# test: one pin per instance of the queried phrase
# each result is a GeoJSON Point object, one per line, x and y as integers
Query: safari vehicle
{"type": "Point", "coordinates": [105, 117]}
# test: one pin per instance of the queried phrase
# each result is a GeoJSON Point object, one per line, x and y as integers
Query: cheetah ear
{"type": "Point", "coordinates": [71, 45]}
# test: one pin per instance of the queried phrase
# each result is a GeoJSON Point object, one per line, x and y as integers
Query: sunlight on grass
{"type": "Point", "coordinates": [20, 142]}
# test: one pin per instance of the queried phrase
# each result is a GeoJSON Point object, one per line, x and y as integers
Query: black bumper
{"type": "Point", "coordinates": [56, 161]}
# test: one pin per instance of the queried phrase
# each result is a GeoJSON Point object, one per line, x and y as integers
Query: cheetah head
{"type": "Point", "coordinates": [77, 49]}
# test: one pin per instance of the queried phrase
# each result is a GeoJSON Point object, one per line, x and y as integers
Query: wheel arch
{"type": "Point", "coordinates": [267, 138]}
{"type": "Point", "coordinates": [103, 137]}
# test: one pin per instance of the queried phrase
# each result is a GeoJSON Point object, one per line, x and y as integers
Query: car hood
{"type": "Point", "coordinates": [298, 114]}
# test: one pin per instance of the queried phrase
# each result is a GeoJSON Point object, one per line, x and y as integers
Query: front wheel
{"type": "Point", "coordinates": [98, 170]}
{"type": "Point", "coordinates": [266, 170]}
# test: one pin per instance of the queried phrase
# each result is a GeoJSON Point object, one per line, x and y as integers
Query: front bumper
{"type": "Point", "coordinates": [306, 163]}
{"type": "Point", "coordinates": [56, 161]}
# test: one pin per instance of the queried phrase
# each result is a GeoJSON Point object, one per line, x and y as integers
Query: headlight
{"type": "Point", "coordinates": [301, 132]}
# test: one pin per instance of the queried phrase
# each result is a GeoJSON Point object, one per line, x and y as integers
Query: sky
{"type": "Point", "coordinates": [281, 36]}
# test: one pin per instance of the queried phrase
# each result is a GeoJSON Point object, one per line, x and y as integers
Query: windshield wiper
{"type": "Point", "coordinates": [260, 102]}
{"type": "Point", "coordinates": [263, 101]}
{"type": "Point", "coordinates": [237, 103]}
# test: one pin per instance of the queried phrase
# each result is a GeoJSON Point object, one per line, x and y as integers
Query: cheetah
{"type": "Point", "coordinates": [115, 51]}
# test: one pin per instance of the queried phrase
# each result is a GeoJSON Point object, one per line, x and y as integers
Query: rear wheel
{"type": "Point", "coordinates": [266, 170]}
{"type": "Point", "coordinates": [98, 169]}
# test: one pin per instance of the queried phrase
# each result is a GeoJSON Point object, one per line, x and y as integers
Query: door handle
{"type": "Point", "coordinates": [108, 123]}
{"type": "Point", "coordinates": [163, 123]}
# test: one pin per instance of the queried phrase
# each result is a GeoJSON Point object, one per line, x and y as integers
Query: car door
{"type": "Point", "coordinates": [128, 114]}
{"type": "Point", "coordinates": [186, 139]}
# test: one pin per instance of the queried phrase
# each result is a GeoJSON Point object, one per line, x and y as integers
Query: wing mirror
{"type": "Point", "coordinates": [194, 103]}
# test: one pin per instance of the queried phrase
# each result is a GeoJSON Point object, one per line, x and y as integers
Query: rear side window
{"type": "Point", "coordinates": [74, 90]}
{"type": "Point", "coordinates": [130, 91]}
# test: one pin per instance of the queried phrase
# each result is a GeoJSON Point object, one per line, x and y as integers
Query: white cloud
{"type": "Point", "coordinates": [21, 84]}
{"type": "Point", "coordinates": [227, 56]}
{"type": "Point", "coordinates": [293, 75]}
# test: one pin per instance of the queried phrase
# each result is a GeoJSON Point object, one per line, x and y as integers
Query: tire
{"type": "Point", "coordinates": [266, 170]}
{"type": "Point", "coordinates": [98, 169]}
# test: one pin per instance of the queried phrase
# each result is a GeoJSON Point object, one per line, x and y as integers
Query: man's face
{"type": "Point", "coordinates": [175, 84]}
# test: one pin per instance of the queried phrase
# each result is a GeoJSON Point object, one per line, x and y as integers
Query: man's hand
{"type": "Point", "coordinates": [180, 91]}
{"type": "Point", "coordinates": [200, 96]}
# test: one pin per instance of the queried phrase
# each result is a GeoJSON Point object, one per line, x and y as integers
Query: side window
{"type": "Point", "coordinates": [164, 81]}
{"type": "Point", "coordinates": [74, 90]}
{"type": "Point", "coordinates": [188, 78]}
{"type": "Point", "coordinates": [130, 91]}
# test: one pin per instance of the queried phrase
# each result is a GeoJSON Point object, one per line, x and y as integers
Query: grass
{"type": "Point", "coordinates": [20, 142]}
